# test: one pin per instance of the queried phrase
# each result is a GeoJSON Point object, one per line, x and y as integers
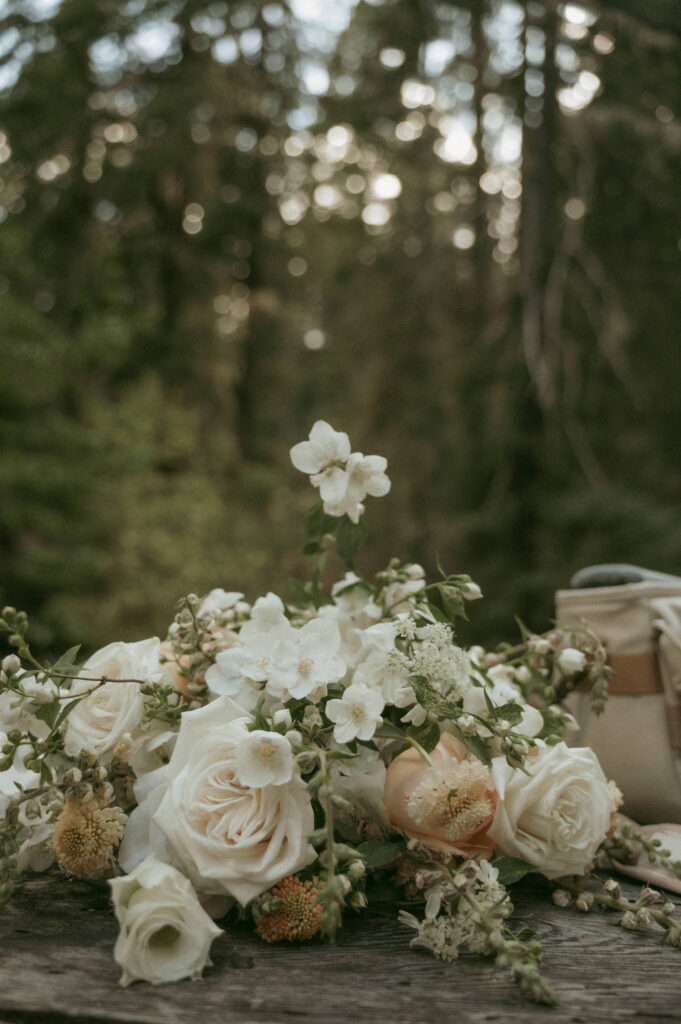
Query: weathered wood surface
{"type": "Point", "coordinates": [56, 966]}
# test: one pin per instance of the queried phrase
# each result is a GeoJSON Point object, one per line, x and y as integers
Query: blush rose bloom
{"type": "Point", "coordinates": [409, 774]}
{"type": "Point", "coordinates": [165, 932]}
{"type": "Point", "coordinates": [195, 813]}
{"type": "Point", "coordinates": [555, 818]}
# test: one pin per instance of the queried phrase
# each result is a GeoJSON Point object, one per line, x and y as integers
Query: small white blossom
{"type": "Point", "coordinates": [264, 759]}
{"type": "Point", "coordinates": [320, 457]}
{"type": "Point", "coordinates": [472, 592]}
{"type": "Point", "coordinates": [306, 659]}
{"type": "Point", "coordinates": [357, 714]}
{"type": "Point", "coordinates": [365, 474]}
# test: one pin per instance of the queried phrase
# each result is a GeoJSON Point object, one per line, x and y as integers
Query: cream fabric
{"type": "Point", "coordinates": [637, 737]}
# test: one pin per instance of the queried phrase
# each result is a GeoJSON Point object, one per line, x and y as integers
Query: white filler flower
{"type": "Point", "coordinates": [264, 759]}
{"type": "Point", "coordinates": [357, 714]}
{"type": "Point", "coordinates": [165, 933]}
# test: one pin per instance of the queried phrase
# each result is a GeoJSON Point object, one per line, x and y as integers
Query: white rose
{"type": "Point", "coordinates": [556, 817]}
{"type": "Point", "coordinates": [571, 661]}
{"type": "Point", "coordinates": [165, 933]}
{"type": "Point", "coordinates": [230, 839]}
{"type": "Point", "coordinates": [112, 712]}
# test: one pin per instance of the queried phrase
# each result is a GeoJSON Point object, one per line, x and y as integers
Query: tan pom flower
{"type": "Point", "coordinates": [85, 837]}
{"type": "Point", "coordinates": [297, 916]}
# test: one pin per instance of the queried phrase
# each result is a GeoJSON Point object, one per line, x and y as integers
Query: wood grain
{"type": "Point", "coordinates": [56, 967]}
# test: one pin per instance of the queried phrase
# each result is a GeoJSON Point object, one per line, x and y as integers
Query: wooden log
{"type": "Point", "coordinates": [56, 967]}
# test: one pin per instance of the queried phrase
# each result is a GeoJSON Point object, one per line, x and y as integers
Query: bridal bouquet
{"type": "Point", "coordinates": [287, 762]}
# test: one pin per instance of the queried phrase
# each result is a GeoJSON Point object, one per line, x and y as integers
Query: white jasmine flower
{"type": "Point", "coordinates": [399, 597]}
{"type": "Point", "coordinates": [264, 759]}
{"type": "Point", "coordinates": [357, 714]}
{"type": "Point", "coordinates": [365, 474]}
{"type": "Point", "coordinates": [522, 674]}
{"type": "Point", "coordinates": [267, 616]}
{"type": "Point", "coordinates": [472, 592]}
{"type": "Point", "coordinates": [306, 659]}
{"type": "Point", "coordinates": [165, 933]}
{"type": "Point", "coordinates": [219, 600]}
{"type": "Point", "coordinates": [319, 457]}
{"type": "Point", "coordinates": [571, 661]}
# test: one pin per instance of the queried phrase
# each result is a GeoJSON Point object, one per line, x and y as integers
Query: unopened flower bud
{"type": "Point", "coordinates": [344, 883]}
{"type": "Point", "coordinates": [523, 674]}
{"type": "Point", "coordinates": [294, 737]}
{"type": "Point", "coordinates": [668, 908]}
{"type": "Point", "coordinates": [357, 900]}
{"type": "Point", "coordinates": [649, 896]}
{"type": "Point", "coordinates": [629, 920]}
{"type": "Point", "coordinates": [571, 661]}
{"type": "Point", "coordinates": [643, 917]}
{"type": "Point", "coordinates": [467, 725]}
{"type": "Point", "coordinates": [414, 571]}
{"type": "Point", "coordinates": [585, 901]}
{"type": "Point", "coordinates": [282, 717]}
{"type": "Point", "coordinates": [11, 665]}
{"type": "Point", "coordinates": [472, 592]}
{"type": "Point", "coordinates": [612, 887]}
{"type": "Point", "coordinates": [539, 645]}
{"type": "Point", "coordinates": [561, 898]}
{"type": "Point", "coordinates": [356, 870]}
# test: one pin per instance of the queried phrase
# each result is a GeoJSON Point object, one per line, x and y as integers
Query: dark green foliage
{"type": "Point", "coordinates": [154, 305]}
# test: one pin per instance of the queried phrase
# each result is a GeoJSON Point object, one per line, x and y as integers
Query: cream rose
{"type": "Point", "coordinates": [556, 817]}
{"type": "Point", "coordinates": [230, 838]}
{"type": "Point", "coordinates": [165, 933]}
{"type": "Point", "coordinates": [112, 712]}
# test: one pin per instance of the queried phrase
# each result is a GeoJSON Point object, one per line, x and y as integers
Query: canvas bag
{"type": "Point", "coordinates": [638, 737]}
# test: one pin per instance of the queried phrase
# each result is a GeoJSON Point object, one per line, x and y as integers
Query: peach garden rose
{"type": "Point", "coordinates": [449, 805]}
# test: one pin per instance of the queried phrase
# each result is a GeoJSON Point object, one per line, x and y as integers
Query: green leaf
{"type": "Point", "coordinates": [388, 731]}
{"type": "Point", "coordinates": [437, 612]}
{"type": "Point", "coordinates": [477, 746]}
{"type": "Point", "coordinates": [350, 537]}
{"type": "Point", "coordinates": [511, 713]}
{"type": "Point", "coordinates": [452, 601]}
{"type": "Point", "coordinates": [428, 735]}
{"type": "Point", "coordinates": [47, 713]}
{"type": "Point", "coordinates": [379, 852]}
{"type": "Point", "coordinates": [432, 700]}
{"type": "Point", "coordinates": [313, 520]}
{"type": "Point", "coordinates": [311, 548]}
{"type": "Point", "coordinates": [511, 869]}
{"type": "Point", "coordinates": [67, 662]}
{"type": "Point", "coordinates": [65, 711]}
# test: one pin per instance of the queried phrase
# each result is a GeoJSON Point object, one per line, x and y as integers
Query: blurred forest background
{"type": "Point", "coordinates": [450, 229]}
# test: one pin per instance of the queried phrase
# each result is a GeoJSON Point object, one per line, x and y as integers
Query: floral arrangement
{"type": "Point", "coordinates": [286, 761]}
